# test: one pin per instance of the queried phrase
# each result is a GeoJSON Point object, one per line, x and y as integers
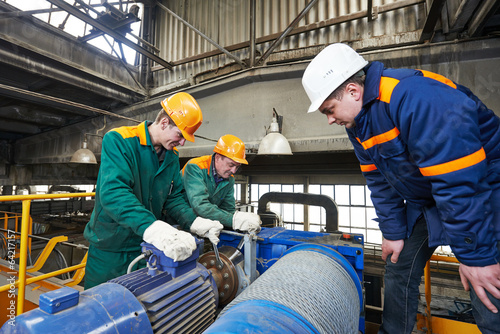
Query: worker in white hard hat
{"type": "Point", "coordinates": [138, 181]}
{"type": "Point", "coordinates": [209, 184]}
{"type": "Point", "coordinates": [430, 152]}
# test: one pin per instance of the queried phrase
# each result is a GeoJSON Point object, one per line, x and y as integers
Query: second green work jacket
{"type": "Point", "coordinates": [208, 199]}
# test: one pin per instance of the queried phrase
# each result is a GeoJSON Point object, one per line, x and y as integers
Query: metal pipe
{"type": "Point", "coordinates": [44, 255]}
{"type": "Point", "coordinates": [449, 259]}
{"type": "Point", "coordinates": [427, 285]}
{"type": "Point", "coordinates": [47, 239]}
{"type": "Point", "coordinates": [332, 216]}
{"type": "Point", "coordinates": [11, 198]}
{"type": "Point", "coordinates": [252, 33]}
{"type": "Point", "coordinates": [285, 33]}
{"type": "Point", "coordinates": [34, 279]}
{"type": "Point", "coordinates": [122, 61]}
{"type": "Point", "coordinates": [47, 10]}
{"type": "Point", "coordinates": [427, 279]}
{"type": "Point", "coordinates": [240, 234]}
{"type": "Point", "coordinates": [23, 256]}
{"type": "Point", "coordinates": [55, 101]}
{"type": "Point", "coordinates": [227, 53]}
{"type": "Point", "coordinates": [134, 261]}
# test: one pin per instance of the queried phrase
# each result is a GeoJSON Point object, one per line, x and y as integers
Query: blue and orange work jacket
{"type": "Point", "coordinates": [429, 146]}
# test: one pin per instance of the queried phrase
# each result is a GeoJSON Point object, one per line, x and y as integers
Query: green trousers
{"type": "Point", "coordinates": [104, 265]}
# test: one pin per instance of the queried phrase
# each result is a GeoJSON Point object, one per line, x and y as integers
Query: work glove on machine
{"type": "Point", "coordinates": [207, 228]}
{"type": "Point", "coordinates": [246, 221]}
{"type": "Point", "coordinates": [174, 243]}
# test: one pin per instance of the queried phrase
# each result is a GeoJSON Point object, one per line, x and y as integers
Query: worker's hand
{"type": "Point", "coordinates": [482, 278]}
{"type": "Point", "coordinates": [393, 247]}
{"type": "Point", "coordinates": [246, 221]}
{"type": "Point", "coordinates": [207, 228]}
{"type": "Point", "coordinates": [176, 244]}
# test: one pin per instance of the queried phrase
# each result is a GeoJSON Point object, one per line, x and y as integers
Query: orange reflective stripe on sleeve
{"type": "Point", "coordinates": [368, 168]}
{"type": "Point", "coordinates": [438, 77]}
{"type": "Point", "coordinates": [454, 165]}
{"type": "Point", "coordinates": [386, 87]}
{"type": "Point", "coordinates": [379, 139]}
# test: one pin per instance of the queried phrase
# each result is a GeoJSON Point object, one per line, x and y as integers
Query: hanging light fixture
{"type": "Point", "coordinates": [84, 155]}
{"type": "Point", "coordinates": [274, 143]}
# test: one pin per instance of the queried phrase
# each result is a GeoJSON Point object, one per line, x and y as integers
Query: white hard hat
{"type": "Point", "coordinates": [328, 70]}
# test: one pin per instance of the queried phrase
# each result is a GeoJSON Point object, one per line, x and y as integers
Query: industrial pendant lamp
{"type": "Point", "coordinates": [84, 155]}
{"type": "Point", "coordinates": [274, 143]}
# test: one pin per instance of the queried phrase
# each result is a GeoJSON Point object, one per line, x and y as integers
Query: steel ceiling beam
{"type": "Point", "coordinates": [39, 68]}
{"type": "Point", "coordinates": [463, 14]}
{"type": "Point", "coordinates": [485, 11]}
{"type": "Point", "coordinates": [75, 107]}
{"type": "Point", "coordinates": [18, 127]}
{"type": "Point", "coordinates": [433, 15]}
{"type": "Point", "coordinates": [19, 13]}
{"type": "Point", "coordinates": [25, 114]}
{"type": "Point", "coordinates": [96, 24]}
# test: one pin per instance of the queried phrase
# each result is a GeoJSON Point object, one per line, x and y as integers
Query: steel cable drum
{"type": "Point", "coordinates": [311, 289]}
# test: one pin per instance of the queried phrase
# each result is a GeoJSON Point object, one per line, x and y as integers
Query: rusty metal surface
{"type": "Point", "coordinates": [228, 23]}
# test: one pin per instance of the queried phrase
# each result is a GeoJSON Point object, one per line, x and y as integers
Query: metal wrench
{"type": "Point", "coordinates": [218, 261]}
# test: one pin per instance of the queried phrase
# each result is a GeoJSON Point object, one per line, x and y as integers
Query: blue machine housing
{"type": "Point", "coordinates": [277, 240]}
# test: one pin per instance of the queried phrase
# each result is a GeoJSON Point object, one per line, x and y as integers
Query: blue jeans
{"type": "Point", "coordinates": [402, 280]}
{"type": "Point", "coordinates": [487, 321]}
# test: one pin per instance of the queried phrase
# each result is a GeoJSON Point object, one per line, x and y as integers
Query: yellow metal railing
{"type": "Point", "coordinates": [15, 218]}
{"type": "Point", "coordinates": [440, 325]}
{"type": "Point", "coordinates": [23, 254]}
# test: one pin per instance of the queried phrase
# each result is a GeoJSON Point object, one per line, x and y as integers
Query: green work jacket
{"type": "Point", "coordinates": [207, 199]}
{"type": "Point", "coordinates": [133, 190]}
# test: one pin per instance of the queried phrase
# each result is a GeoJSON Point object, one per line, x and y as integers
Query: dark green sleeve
{"type": "Point", "coordinates": [229, 202]}
{"type": "Point", "coordinates": [198, 196]}
{"type": "Point", "coordinates": [177, 206]}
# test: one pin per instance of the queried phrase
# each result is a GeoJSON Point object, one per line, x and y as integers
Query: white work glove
{"type": "Point", "coordinates": [176, 244]}
{"type": "Point", "coordinates": [246, 221]}
{"type": "Point", "coordinates": [207, 228]}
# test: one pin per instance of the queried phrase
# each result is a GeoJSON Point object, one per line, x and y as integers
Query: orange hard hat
{"type": "Point", "coordinates": [232, 147]}
{"type": "Point", "coordinates": [185, 112]}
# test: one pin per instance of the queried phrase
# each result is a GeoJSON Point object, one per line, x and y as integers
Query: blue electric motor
{"type": "Point", "coordinates": [167, 297]}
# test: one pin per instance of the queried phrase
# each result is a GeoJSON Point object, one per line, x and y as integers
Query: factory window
{"type": "Point", "coordinates": [237, 192]}
{"type": "Point", "coordinates": [355, 209]}
{"type": "Point", "coordinates": [45, 11]}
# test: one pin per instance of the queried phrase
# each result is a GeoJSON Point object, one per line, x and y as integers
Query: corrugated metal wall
{"type": "Point", "coordinates": [227, 22]}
